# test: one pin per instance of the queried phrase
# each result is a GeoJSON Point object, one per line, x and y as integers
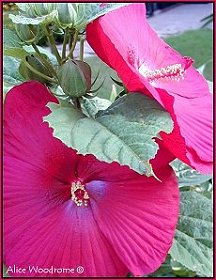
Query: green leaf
{"type": "Point", "coordinates": [188, 176]}
{"type": "Point", "coordinates": [6, 88]}
{"type": "Point", "coordinates": [93, 11]}
{"type": "Point", "coordinates": [207, 71]}
{"type": "Point", "coordinates": [25, 8]}
{"type": "Point", "coordinates": [171, 268]}
{"type": "Point", "coordinates": [91, 106]}
{"type": "Point", "coordinates": [193, 240]}
{"type": "Point", "coordinates": [10, 39]}
{"type": "Point", "coordinates": [62, 119]}
{"type": "Point", "coordinates": [180, 270]}
{"type": "Point", "coordinates": [5, 274]}
{"type": "Point", "coordinates": [16, 52]}
{"type": "Point", "coordinates": [109, 90]}
{"type": "Point", "coordinates": [210, 84]}
{"type": "Point", "coordinates": [22, 52]}
{"type": "Point", "coordinates": [51, 57]}
{"type": "Point", "coordinates": [11, 73]}
{"type": "Point", "coordinates": [165, 270]}
{"type": "Point", "coordinates": [123, 133]}
{"type": "Point", "coordinates": [206, 189]}
{"type": "Point", "coordinates": [24, 19]}
{"type": "Point", "coordinates": [12, 44]}
{"type": "Point", "coordinates": [36, 9]}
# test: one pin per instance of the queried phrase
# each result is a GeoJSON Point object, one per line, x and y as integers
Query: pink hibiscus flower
{"type": "Point", "coordinates": [124, 40]}
{"type": "Point", "coordinates": [63, 210]}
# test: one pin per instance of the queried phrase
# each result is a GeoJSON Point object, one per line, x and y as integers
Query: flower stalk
{"type": "Point", "coordinates": [52, 44]}
{"type": "Point", "coordinates": [43, 60]}
{"type": "Point", "coordinates": [82, 41]}
{"type": "Point", "coordinates": [73, 45]}
{"type": "Point", "coordinates": [64, 44]}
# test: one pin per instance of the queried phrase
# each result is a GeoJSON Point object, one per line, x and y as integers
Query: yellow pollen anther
{"type": "Point", "coordinates": [79, 194]}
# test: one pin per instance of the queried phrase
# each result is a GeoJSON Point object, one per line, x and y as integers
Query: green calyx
{"type": "Point", "coordinates": [74, 78]}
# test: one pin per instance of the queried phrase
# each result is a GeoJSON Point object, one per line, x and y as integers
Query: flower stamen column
{"type": "Point", "coordinates": [79, 194]}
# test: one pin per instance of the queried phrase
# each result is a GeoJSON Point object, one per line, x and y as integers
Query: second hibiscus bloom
{"type": "Point", "coordinates": [145, 63]}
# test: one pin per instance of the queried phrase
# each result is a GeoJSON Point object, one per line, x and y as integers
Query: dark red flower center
{"type": "Point", "coordinates": [79, 194]}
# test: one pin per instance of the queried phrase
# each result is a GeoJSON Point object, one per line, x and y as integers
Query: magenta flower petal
{"type": "Point", "coordinates": [23, 119]}
{"type": "Point", "coordinates": [125, 221]}
{"type": "Point", "coordinates": [124, 40]}
{"type": "Point", "coordinates": [133, 216]}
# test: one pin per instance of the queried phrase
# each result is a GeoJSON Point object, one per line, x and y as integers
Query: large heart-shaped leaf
{"type": "Point", "coordinates": [123, 133]}
{"type": "Point", "coordinates": [91, 106]}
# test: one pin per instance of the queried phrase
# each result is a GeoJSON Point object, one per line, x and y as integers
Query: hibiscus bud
{"type": "Point", "coordinates": [27, 33]}
{"type": "Point", "coordinates": [42, 9]}
{"type": "Point", "coordinates": [71, 15]}
{"type": "Point", "coordinates": [35, 62]}
{"type": "Point", "coordinates": [66, 14]}
{"type": "Point", "coordinates": [75, 78]}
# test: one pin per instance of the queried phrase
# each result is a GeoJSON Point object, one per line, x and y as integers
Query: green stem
{"type": "Point", "coordinates": [70, 40]}
{"type": "Point", "coordinates": [70, 54]}
{"type": "Point", "coordinates": [45, 62]}
{"type": "Point", "coordinates": [52, 44]}
{"type": "Point", "coordinates": [64, 44]}
{"type": "Point", "coordinates": [39, 73]}
{"type": "Point", "coordinates": [82, 41]}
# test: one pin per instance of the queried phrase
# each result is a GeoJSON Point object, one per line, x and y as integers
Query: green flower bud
{"type": "Point", "coordinates": [42, 9]}
{"type": "Point", "coordinates": [27, 33]}
{"type": "Point", "coordinates": [75, 78]}
{"type": "Point", "coordinates": [70, 15]}
{"type": "Point", "coordinates": [35, 62]}
{"type": "Point", "coordinates": [81, 15]}
{"type": "Point", "coordinates": [66, 14]}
